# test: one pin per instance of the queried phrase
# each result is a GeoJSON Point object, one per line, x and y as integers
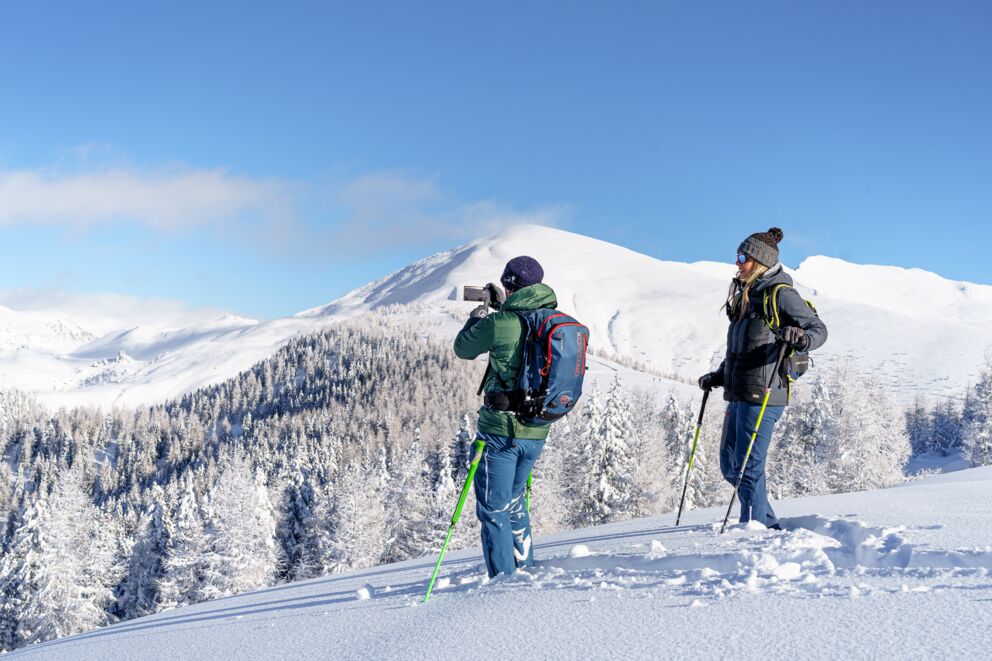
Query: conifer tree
{"type": "Point", "coordinates": [355, 532]}
{"type": "Point", "coordinates": [137, 595]}
{"type": "Point", "coordinates": [978, 434]}
{"type": "Point", "coordinates": [57, 578]}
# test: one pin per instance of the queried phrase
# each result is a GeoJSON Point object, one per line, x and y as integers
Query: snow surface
{"type": "Point", "coordinates": [896, 573]}
{"type": "Point", "coordinates": [920, 334]}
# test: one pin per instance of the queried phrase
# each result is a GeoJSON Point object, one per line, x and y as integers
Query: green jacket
{"type": "Point", "coordinates": [501, 334]}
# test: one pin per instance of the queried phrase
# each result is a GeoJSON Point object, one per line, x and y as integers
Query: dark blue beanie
{"type": "Point", "coordinates": [521, 272]}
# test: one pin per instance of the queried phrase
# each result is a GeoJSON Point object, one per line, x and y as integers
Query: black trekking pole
{"type": "Point", "coordinates": [692, 454]}
{"type": "Point", "coordinates": [757, 426]}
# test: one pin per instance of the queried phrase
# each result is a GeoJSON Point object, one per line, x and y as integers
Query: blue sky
{"type": "Point", "coordinates": [266, 158]}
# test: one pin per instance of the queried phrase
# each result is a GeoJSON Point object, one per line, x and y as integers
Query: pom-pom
{"type": "Point", "coordinates": [777, 234]}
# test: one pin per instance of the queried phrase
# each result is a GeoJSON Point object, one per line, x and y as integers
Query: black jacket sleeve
{"type": "Point", "coordinates": [793, 311]}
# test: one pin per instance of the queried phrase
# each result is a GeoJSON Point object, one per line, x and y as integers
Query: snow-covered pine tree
{"type": "Point", "coordinates": [297, 532]}
{"type": "Point", "coordinates": [579, 443]}
{"type": "Point", "coordinates": [678, 428]}
{"type": "Point", "coordinates": [443, 494]}
{"type": "Point", "coordinates": [137, 594]}
{"type": "Point", "coordinates": [407, 501]}
{"type": "Point", "coordinates": [550, 506]}
{"type": "Point", "coordinates": [868, 446]}
{"type": "Point", "coordinates": [461, 454]}
{"type": "Point", "coordinates": [240, 553]}
{"type": "Point", "coordinates": [945, 428]}
{"type": "Point", "coordinates": [57, 578]}
{"type": "Point", "coordinates": [918, 427]}
{"type": "Point", "coordinates": [182, 565]}
{"type": "Point", "coordinates": [355, 532]}
{"type": "Point", "coordinates": [977, 445]}
{"type": "Point", "coordinates": [612, 465]}
{"type": "Point", "coordinates": [799, 455]}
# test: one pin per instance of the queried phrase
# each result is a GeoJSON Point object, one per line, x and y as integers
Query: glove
{"type": "Point", "coordinates": [710, 381]}
{"type": "Point", "coordinates": [795, 337]}
{"type": "Point", "coordinates": [496, 296]}
{"type": "Point", "coordinates": [480, 312]}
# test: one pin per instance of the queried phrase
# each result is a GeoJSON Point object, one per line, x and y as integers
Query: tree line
{"type": "Point", "coordinates": [345, 450]}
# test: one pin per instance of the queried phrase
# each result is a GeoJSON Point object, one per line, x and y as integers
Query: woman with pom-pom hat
{"type": "Point", "coordinates": [753, 350]}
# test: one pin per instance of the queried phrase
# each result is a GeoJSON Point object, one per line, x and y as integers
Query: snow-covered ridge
{"type": "Point", "coordinates": [916, 332]}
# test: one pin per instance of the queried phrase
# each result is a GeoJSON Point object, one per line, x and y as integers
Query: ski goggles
{"type": "Point", "coordinates": [742, 258]}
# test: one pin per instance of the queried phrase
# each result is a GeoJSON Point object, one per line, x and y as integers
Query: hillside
{"type": "Point", "coordinates": [896, 573]}
{"type": "Point", "coordinates": [918, 333]}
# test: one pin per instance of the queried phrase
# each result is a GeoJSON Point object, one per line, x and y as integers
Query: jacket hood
{"type": "Point", "coordinates": [775, 276]}
{"type": "Point", "coordinates": [534, 297]}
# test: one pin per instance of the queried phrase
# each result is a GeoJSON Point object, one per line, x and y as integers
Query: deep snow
{"type": "Point", "coordinates": [896, 573]}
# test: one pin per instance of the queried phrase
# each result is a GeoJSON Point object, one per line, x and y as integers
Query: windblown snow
{"type": "Point", "coordinates": [915, 331]}
{"type": "Point", "coordinates": [897, 573]}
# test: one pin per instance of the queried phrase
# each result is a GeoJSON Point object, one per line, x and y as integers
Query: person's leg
{"type": "Point", "coordinates": [523, 547]}
{"type": "Point", "coordinates": [728, 444]}
{"type": "Point", "coordinates": [753, 494]}
{"type": "Point", "coordinates": [493, 492]}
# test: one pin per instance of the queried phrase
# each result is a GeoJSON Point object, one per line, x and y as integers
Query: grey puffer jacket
{"type": "Point", "coordinates": [752, 348]}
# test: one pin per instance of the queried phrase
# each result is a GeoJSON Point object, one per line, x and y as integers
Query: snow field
{"type": "Point", "coordinates": [896, 573]}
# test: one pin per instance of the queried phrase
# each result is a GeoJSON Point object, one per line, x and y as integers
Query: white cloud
{"type": "Point", "coordinates": [374, 211]}
{"type": "Point", "coordinates": [388, 210]}
{"type": "Point", "coordinates": [106, 312]}
{"type": "Point", "coordinates": [162, 200]}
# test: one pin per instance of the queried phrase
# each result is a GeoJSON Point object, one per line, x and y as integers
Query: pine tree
{"type": "Point", "coordinates": [355, 531]}
{"type": "Point", "coordinates": [867, 446]}
{"type": "Point", "coordinates": [138, 593]}
{"type": "Point", "coordinates": [56, 580]}
{"type": "Point", "coordinates": [579, 460]}
{"type": "Point", "coordinates": [407, 501]}
{"type": "Point", "coordinates": [803, 442]}
{"type": "Point", "coordinates": [240, 553]}
{"type": "Point", "coordinates": [550, 506]}
{"type": "Point", "coordinates": [297, 532]}
{"type": "Point", "coordinates": [945, 429]}
{"type": "Point", "coordinates": [612, 464]}
{"type": "Point", "coordinates": [182, 564]}
{"type": "Point", "coordinates": [461, 455]}
{"type": "Point", "coordinates": [679, 429]}
{"type": "Point", "coordinates": [977, 446]}
{"type": "Point", "coordinates": [918, 427]}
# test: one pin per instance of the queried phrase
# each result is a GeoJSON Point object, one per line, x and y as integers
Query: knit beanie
{"type": "Point", "coordinates": [762, 247]}
{"type": "Point", "coordinates": [521, 272]}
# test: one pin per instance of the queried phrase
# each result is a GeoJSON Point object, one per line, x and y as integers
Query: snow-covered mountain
{"type": "Point", "coordinates": [896, 573]}
{"type": "Point", "coordinates": [915, 331]}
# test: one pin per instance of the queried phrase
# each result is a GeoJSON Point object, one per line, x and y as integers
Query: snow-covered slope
{"type": "Point", "coordinates": [898, 573]}
{"type": "Point", "coordinates": [918, 333]}
{"type": "Point", "coordinates": [915, 331]}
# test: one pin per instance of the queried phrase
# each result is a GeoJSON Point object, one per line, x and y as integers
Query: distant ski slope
{"type": "Point", "coordinates": [918, 333]}
{"type": "Point", "coordinates": [898, 573]}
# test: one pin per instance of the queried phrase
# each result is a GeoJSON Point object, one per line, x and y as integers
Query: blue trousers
{"type": "Point", "coordinates": [738, 425]}
{"type": "Point", "coordinates": [500, 494]}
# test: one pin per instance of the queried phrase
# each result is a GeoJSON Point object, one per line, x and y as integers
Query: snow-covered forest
{"type": "Point", "coordinates": [346, 449]}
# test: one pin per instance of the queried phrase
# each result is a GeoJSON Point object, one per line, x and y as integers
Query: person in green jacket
{"type": "Point", "coordinates": [511, 446]}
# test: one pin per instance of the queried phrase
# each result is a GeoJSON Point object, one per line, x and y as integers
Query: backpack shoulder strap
{"type": "Point", "coordinates": [770, 306]}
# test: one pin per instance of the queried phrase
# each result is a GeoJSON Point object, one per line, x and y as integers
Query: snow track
{"type": "Point", "coordinates": [813, 555]}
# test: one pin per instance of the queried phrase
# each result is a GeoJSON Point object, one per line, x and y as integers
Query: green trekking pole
{"type": "Point", "coordinates": [757, 426]}
{"type": "Point", "coordinates": [530, 481]}
{"type": "Point", "coordinates": [479, 445]}
{"type": "Point", "coordinates": [692, 454]}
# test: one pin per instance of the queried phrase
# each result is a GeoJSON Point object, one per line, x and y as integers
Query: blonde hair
{"type": "Point", "coordinates": [744, 289]}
